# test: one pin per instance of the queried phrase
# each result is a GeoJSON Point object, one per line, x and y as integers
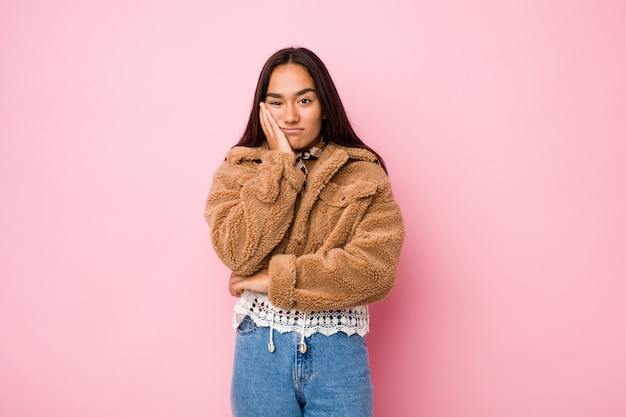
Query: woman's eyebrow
{"type": "Point", "coordinates": [298, 93]}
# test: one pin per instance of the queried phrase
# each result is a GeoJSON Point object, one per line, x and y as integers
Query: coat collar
{"type": "Point", "coordinates": [332, 151]}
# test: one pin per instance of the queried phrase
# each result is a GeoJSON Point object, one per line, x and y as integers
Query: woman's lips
{"type": "Point", "coordinates": [291, 130]}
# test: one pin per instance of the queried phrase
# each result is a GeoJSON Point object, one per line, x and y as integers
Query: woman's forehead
{"type": "Point", "coordinates": [290, 79]}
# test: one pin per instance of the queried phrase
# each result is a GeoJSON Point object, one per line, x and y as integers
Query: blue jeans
{"type": "Point", "coordinates": [332, 378]}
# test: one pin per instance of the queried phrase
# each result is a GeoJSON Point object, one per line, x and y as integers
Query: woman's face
{"type": "Point", "coordinates": [292, 100]}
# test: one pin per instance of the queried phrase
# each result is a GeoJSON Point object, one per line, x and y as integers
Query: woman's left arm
{"type": "Point", "coordinates": [360, 272]}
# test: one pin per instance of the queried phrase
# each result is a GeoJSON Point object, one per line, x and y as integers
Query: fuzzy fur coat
{"type": "Point", "coordinates": [334, 246]}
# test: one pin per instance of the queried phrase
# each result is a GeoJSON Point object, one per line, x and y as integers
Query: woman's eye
{"type": "Point", "coordinates": [274, 103]}
{"type": "Point", "coordinates": [305, 101]}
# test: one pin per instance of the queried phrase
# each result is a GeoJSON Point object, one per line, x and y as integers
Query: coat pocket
{"type": "Point", "coordinates": [340, 209]}
{"type": "Point", "coordinates": [341, 196]}
{"type": "Point", "coordinates": [247, 326]}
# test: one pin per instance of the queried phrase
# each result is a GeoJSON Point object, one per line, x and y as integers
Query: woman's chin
{"type": "Point", "coordinates": [299, 145]}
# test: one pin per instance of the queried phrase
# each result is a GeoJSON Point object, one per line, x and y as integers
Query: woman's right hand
{"type": "Point", "coordinates": [257, 282]}
{"type": "Point", "coordinates": [276, 138]}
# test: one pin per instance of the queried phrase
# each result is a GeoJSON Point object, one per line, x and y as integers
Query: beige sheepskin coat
{"type": "Point", "coordinates": [334, 246]}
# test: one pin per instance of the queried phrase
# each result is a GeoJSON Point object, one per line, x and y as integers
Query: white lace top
{"type": "Point", "coordinates": [256, 305]}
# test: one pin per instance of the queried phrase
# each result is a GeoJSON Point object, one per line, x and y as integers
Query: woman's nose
{"type": "Point", "coordinates": [291, 114]}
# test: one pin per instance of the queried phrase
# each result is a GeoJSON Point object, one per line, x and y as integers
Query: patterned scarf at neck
{"type": "Point", "coordinates": [313, 152]}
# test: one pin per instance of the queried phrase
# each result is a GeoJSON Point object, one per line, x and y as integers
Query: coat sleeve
{"type": "Point", "coordinates": [360, 272]}
{"type": "Point", "coordinates": [250, 207]}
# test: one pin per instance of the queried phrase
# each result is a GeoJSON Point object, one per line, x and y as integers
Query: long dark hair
{"type": "Point", "coordinates": [335, 127]}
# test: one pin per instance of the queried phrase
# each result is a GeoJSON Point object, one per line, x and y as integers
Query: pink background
{"type": "Point", "coordinates": [504, 128]}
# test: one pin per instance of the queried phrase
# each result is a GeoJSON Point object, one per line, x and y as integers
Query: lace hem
{"type": "Point", "coordinates": [257, 306]}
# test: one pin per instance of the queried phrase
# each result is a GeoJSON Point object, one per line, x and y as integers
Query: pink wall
{"type": "Point", "coordinates": [503, 124]}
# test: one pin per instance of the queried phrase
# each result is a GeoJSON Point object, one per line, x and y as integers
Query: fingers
{"type": "Point", "coordinates": [271, 124]}
{"type": "Point", "coordinates": [263, 119]}
{"type": "Point", "coordinates": [257, 282]}
{"type": "Point", "coordinates": [275, 136]}
{"type": "Point", "coordinates": [235, 285]}
{"type": "Point", "coordinates": [270, 127]}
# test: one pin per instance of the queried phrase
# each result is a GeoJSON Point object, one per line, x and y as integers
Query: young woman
{"type": "Point", "coordinates": [303, 214]}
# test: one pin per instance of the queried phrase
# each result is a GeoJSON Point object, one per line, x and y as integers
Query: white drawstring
{"type": "Point", "coordinates": [270, 345]}
{"type": "Point", "coordinates": [302, 344]}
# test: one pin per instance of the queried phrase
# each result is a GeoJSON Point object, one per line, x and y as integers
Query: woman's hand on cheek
{"type": "Point", "coordinates": [258, 282]}
{"type": "Point", "coordinates": [276, 138]}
